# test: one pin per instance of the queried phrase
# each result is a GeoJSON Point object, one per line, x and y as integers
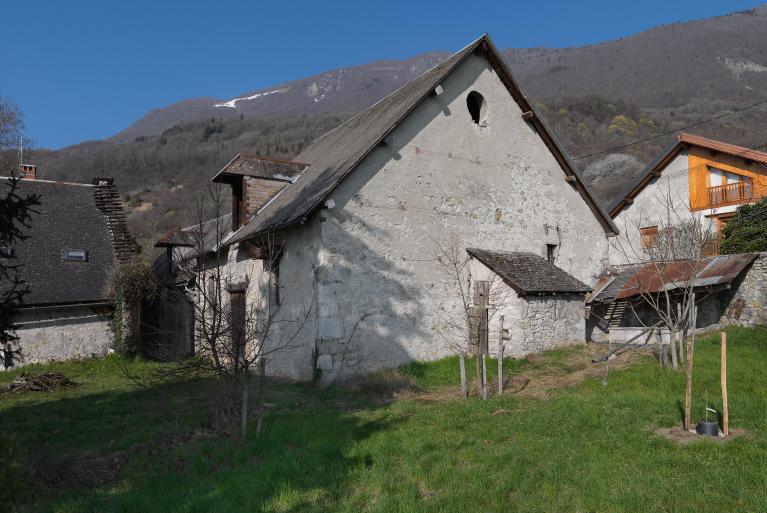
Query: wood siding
{"type": "Point", "coordinates": [700, 160]}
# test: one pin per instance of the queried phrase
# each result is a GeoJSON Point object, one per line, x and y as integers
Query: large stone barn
{"type": "Point", "coordinates": [354, 221]}
{"type": "Point", "coordinates": [75, 239]}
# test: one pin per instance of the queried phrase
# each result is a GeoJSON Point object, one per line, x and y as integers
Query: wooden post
{"type": "Point", "coordinates": [661, 350]}
{"type": "Point", "coordinates": [500, 358]}
{"type": "Point", "coordinates": [690, 353]}
{"type": "Point", "coordinates": [462, 363]}
{"type": "Point", "coordinates": [725, 408]}
{"type": "Point", "coordinates": [481, 297]}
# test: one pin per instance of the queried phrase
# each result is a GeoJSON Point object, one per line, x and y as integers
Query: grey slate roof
{"type": "Point", "coordinates": [333, 156]}
{"type": "Point", "coordinates": [71, 216]}
{"type": "Point", "coordinates": [528, 273]}
{"type": "Point", "coordinates": [250, 165]}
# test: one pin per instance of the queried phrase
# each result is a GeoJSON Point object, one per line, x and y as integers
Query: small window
{"type": "Point", "coordinates": [76, 255]}
{"type": "Point", "coordinates": [551, 252]}
{"type": "Point", "coordinates": [7, 252]}
{"type": "Point", "coordinates": [649, 236]}
{"type": "Point", "coordinates": [477, 106]}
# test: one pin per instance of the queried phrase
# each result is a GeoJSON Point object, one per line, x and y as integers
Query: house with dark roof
{"type": "Point", "coordinates": [459, 153]}
{"type": "Point", "coordinates": [75, 240]}
{"type": "Point", "coordinates": [695, 178]}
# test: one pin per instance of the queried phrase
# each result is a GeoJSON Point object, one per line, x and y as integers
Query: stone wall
{"type": "Point", "coordinates": [63, 333]}
{"type": "Point", "coordinates": [748, 304]}
{"type": "Point", "coordinates": [381, 295]}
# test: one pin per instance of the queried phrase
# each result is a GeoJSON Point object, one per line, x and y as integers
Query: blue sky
{"type": "Point", "coordinates": [84, 70]}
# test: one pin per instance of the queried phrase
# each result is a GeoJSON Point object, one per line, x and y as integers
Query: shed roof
{"type": "Point", "coordinates": [651, 278]}
{"type": "Point", "coordinates": [528, 273]}
{"type": "Point", "coordinates": [71, 217]}
{"type": "Point", "coordinates": [334, 155]}
{"type": "Point", "coordinates": [261, 167]}
{"type": "Point", "coordinates": [656, 167]}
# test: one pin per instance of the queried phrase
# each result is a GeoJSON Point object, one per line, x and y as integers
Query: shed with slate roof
{"type": "Point", "coordinates": [542, 305]}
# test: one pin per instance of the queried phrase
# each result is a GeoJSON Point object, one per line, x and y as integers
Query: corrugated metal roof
{"type": "Point", "coordinates": [651, 278]}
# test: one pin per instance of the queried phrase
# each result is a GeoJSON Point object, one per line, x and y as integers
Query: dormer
{"type": "Point", "coordinates": [255, 181]}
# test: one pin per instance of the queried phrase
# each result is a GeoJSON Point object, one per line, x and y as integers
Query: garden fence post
{"type": "Point", "coordinates": [725, 408]}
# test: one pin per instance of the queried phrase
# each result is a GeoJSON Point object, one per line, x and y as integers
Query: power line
{"type": "Point", "coordinates": [665, 134]}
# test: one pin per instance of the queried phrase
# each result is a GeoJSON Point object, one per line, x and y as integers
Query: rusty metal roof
{"type": "Point", "coordinates": [651, 278]}
{"type": "Point", "coordinates": [175, 238]}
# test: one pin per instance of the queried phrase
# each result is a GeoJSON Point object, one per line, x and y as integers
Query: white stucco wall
{"type": "Point", "coordinates": [494, 187]}
{"type": "Point", "coordinates": [55, 334]}
{"type": "Point", "coordinates": [292, 331]}
{"type": "Point", "coordinates": [664, 201]}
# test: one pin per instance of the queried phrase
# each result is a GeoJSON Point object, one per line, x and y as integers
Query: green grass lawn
{"type": "Point", "coordinates": [586, 448]}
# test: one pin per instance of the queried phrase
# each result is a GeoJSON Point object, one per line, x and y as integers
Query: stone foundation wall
{"type": "Point", "coordinates": [748, 306]}
{"type": "Point", "coordinates": [62, 334]}
{"type": "Point", "coordinates": [538, 323]}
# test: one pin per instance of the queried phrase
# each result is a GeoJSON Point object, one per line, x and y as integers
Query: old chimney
{"type": "Point", "coordinates": [28, 171]}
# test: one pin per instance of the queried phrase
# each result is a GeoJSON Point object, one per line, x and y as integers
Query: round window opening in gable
{"type": "Point", "coordinates": [477, 106]}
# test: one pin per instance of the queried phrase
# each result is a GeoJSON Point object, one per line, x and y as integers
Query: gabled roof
{"type": "Point", "coordinates": [261, 167]}
{"type": "Point", "coordinates": [71, 217]}
{"type": "Point", "coordinates": [333, 156]}
{"type": "Point", "coordinates": [656, 167]}
{"type": "Point", "coordinates": [528, 273]}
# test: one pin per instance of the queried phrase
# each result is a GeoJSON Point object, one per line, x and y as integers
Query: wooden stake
{"type": "Point", "coordinates": [462, 363]}
{"type": "Point", "coordinates": [500, 359]}
{"type": "Point", "coordinates": [484, 378]}
{"type": "Point", "coordinates": [725, 409]}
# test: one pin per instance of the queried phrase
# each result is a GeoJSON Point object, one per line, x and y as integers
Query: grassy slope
{"type": "Point", "coordinates": [589, 448]}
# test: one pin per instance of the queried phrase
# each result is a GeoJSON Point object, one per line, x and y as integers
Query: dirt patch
{"type": "Point", "coordinates": [682, 437]}
{"type": "Point", "coordinates": [42, 382]}
{"type": "Point", "coordinates": [545, 378]}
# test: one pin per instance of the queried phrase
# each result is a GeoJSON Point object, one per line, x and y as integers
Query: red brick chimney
{"type": "Point", "coordinates": [28, 171]}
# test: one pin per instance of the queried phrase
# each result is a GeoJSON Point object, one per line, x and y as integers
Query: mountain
{"type": "Point", "coordinates": [599, 99]}
{"type": "Point", "coordinates": [722, 59]}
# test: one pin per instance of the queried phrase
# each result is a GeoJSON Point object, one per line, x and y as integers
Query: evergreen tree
{"type": "Point", "coordinates": [747, 231]}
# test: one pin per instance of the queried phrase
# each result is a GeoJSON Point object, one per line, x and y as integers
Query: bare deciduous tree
{"type": "Point", "coordinates": [456, 300]}
{"type": "Point", "coordinates": [237, 294]}
{"type": "Point", "coordinates": [674, 255]}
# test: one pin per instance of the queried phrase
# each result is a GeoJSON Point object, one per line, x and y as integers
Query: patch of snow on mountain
{"type": "Point", "coordinates": [232, 104]}
{"type": "Point", "coordinates": [738, 67]}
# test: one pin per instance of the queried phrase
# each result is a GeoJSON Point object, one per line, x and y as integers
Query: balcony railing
{"type": "Point", "coordinates": [733, 194]}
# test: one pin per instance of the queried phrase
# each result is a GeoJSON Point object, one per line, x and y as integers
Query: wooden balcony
{"type": "Point", "coordinates": [734, 194]}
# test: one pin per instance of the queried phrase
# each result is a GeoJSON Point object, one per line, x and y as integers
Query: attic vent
{"type": "Point", "coordinates": [76, 255]}
{"type": "Point", "coordinates": [477, 106]}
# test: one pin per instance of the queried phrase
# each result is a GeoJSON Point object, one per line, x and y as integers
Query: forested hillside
{"type": "Point", "coordinates": [614, 105]}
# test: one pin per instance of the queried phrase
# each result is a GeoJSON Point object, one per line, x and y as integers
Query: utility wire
{"type": "Point", "coordinates": [665, 134]}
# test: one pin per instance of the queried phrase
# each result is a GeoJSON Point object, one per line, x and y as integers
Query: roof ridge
{"type": "Point", "coordinates": [108, 202]}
